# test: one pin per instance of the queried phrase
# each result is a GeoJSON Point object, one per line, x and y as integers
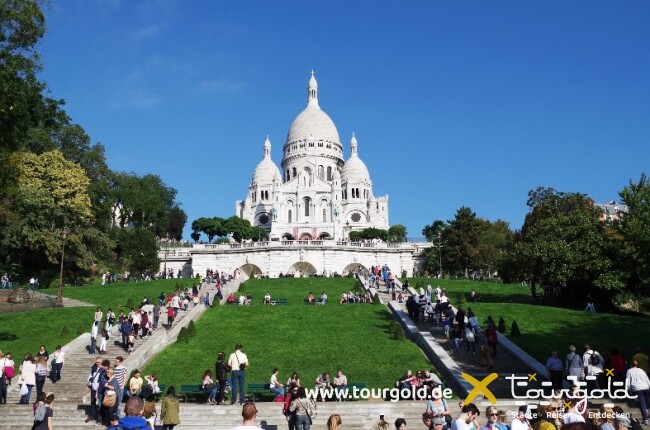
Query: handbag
{"type": "Point", "coordinates": [208, 386]}
{"type": "Point", "coordinates": [110, 398]}
{"type": "Point", "coordinates": [23, 387]}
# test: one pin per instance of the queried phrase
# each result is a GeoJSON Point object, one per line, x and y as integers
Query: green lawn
{"type": "Point", "coordinates": [489, 291]}
{"type": "Point", "coordinates": [298, 337]}
{"type": "Point", "coordinates": [545, 328]}
{"type": "Point", "coordinates": [24, 332]}
{"type": "Point", "coordinates": [118, 294]}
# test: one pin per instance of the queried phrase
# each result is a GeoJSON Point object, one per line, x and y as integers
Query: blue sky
{"type": "Point", "coordinates": [453, 103]}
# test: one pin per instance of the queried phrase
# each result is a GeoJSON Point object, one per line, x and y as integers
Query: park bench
{"type": "Point", "coordinates": [259, 389]}
{"type": "Point", "coordinates": [194, 390]}
{"type": "Point", "coordinates": [281, 301]}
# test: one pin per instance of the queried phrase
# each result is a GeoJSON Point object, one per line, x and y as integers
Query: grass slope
{"type": "Point", "coordinates": [24, 332]}
{"type": "Point", "coordinates": [118, 294]}
{"type": "Point", "coordinates": [297, 337]}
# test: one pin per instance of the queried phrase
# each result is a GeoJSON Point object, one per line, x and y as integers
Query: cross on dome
{"type": "Point", "coordinates": [312, 91]}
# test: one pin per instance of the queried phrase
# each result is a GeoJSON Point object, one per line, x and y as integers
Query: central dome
{"type": "Point", "coordinates": [312, 123]}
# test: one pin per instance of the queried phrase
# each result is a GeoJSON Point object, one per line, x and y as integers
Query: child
{"type": "Point", "coordinates": [130, 343]}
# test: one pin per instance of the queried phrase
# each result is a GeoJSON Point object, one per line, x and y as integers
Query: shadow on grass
{"type": "Point", "coordinates": [6, 336]}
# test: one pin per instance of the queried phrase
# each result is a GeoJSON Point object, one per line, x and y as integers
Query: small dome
{"type": "Point", "coordinates": [354, 169]}
{"type": "Point", "coordinates": [266, 171]}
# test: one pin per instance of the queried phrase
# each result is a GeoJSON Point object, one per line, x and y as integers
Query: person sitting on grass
{"type": "Point", "coordinates": [231, 298]}
{"type": "Point", "coordinates": [310, 298]}
{"type": "Point", "coordinates": [267, 298]}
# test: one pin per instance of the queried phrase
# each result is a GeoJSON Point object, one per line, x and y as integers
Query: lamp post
{"type": "Point", "coordinates": [164, 274]}
{"type": "Point", "coordinates": [59, 293]}
{"type": "Point", "coordinates": [440, 251]}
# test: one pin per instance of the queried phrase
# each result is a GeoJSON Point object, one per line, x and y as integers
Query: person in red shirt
{"type": "Point", "coordinates": [617, 361]}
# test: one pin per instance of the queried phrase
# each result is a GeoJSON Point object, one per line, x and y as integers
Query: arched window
{"type": "Point", "coordinates": [306, 202]}
{"type": "Point", "coordinates": [324, 215]}
{"type": "Point", "coordinates": [293, 172]}
{"type": "Point", "coordinates": [288, 175]}
{"type": "Point", "coordinates": [321, 172]}
{"type": "Point", "coordinates": [329, 173]}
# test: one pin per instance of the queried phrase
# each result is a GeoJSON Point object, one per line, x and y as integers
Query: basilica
{"type": "Point", "coordinates": [317, 194]}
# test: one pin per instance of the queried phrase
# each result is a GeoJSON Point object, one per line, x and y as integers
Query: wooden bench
{"type": "Point", "coordinates": [255, 389]}
{"type": "Point", "coordinates": [192, 391]}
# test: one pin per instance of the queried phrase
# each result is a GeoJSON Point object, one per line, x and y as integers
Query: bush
{"type": "Point", "coordinates": [183, 336]}
{"type": "Point", "coordinates": [461, 299]}
{"type": "Point", "coordinates": [191, 329]}
{"type": "Point", "coordinates": [65, 333]}
{"type": "Point", "coordinates": [502, 325]}
{"type": "Point", "coordinates": [395, 331]}
{"type": "Point", "coordinates": [514, 329]}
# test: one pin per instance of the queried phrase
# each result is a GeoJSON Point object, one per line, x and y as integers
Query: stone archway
{"type": "Point", "coordinates": [324, 236]}
{"type": "Point", "coordinates": [353, 267]}
{"type": "Point", "coordinates": [302, 267]}
{"type": "Point", "coordinates": [287, 236]}
{"type": "Point", "coordinates": [250, 270]}
{"type": "Point", "coordinates": [305, 236]}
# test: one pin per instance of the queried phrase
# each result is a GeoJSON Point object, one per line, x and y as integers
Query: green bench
{"type": "Point", "coordinates": [280, 301]}
{"type": "Point", "coordinates": [259, 389]}
{"type": "Point", "coordinates": [194, 391]}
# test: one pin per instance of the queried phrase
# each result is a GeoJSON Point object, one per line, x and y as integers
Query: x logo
{"type": "Point", "coordinates": [480, 387]}
{"type": "Point", "coordinates": [567, 405]}
{"type": "Point", "coordinates": [532, 377]}
{"type": "Point", "coordinates": [610, 372]}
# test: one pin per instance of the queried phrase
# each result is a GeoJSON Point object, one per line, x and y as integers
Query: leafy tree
{"type": "Point", "coordinates": [258, 233]}
{"type": "Point", "coordinates": [239, 228]}
{"type": "Point", "coordinates": [177, 218]}
{"type": "Point", "coordinates": [433, 255]}
{"type": "Point", "coordinates": [143, 201]}
{"type": "Point", "coordinates": [50, 194]}
{"type": "Point", "coordinates": [460, 242]}
{"type": "Point", "coordinates": [136, 250]}
{"type": "Point", "coordinates": [397, 233]}
{"type": "Point", "coordinates": [494, 240]}
{"type": "Point", "coordinates": [562, 239]}
{"type": "Point", "coordinates": [635, 231]}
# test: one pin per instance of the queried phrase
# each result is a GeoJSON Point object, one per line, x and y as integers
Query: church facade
{"type": "Point", "coordinates": [316, 194]}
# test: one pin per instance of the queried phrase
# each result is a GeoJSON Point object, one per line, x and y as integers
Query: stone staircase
{"type": "Point", "coordinates": [505, 364]}
{"type": "Point", "coordinates": [71, 398]}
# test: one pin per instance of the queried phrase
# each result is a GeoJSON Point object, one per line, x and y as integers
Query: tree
{"type": "Point", "coordinates": [239, 228]}
{"type": "Point", "coordinates": [136, 250]}
{"type": "Point", "coordinates": [397, 233]}
{"type": "Point", "coordinates": [494, 240]}
{"type": "Point", "coordinates": [51, 193]}
{"type": "Point", "coordinates": [634, 228]}
{"type": "Point", "coordinates": [177, 218]}
{"type": "Point", "coordinates": [143, 201]}
{"type": "Point", "coordinates": [460, 242]}
{"type": "Point", "coordinates": [211, 227]}
{"type": "Point", "coordinates": [562, 240]}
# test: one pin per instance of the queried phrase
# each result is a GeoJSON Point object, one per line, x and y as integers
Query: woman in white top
{"type": "Point", "coordinates": [275, 386]}
{"type": "Point", "coordinates": [28, 377]}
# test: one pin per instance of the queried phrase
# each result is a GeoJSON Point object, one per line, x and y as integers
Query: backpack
{"type": "Point", "coordinates": [9, 371]}
{"type": "Point", "coordinates": [594, 359]}
{"type": "Point", "coordinates": [39, 413]}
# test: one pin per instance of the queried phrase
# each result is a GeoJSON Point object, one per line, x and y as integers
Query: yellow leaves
{"type": "Point", "coordinates": [56, 182]}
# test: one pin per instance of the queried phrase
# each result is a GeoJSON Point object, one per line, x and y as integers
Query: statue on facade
{"type": "Point", "coordinates": [274, 214]}
{"type": "Point", "coordinates": [336, 211]}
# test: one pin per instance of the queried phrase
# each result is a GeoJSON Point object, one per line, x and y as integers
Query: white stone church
{"type": "Point", "coordinates": [309, 208]}
{"type": "Point", "coordinates": [317, 194]}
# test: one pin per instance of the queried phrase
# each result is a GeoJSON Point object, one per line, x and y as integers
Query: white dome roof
{"type": "Point", "coordinates": [312, 123]}
{"type": "Point", "coordinates": [266, 171]}
{"type": "Point", "coordinates": [354, 169]}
